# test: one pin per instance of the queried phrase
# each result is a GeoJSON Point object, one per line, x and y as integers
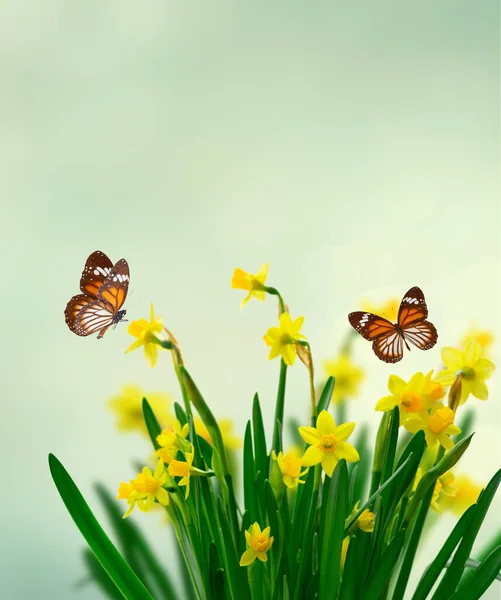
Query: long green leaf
{"type": "Point", "coordinates": [433, 571]}
{"type": "Point", "coordinates": [384, 571]}
{"type": "Point", "coordinates": [337, 511]}
{"type": "Point", "coordinates": [100, 577]}
{"type": "Point", "coordinates": [350, 572]}
{"type": "Point", "coordinates": [326, 395]}
{"type": "Point", "coordinates": [119, 571]}
{"type": "Point", "coordinates": [152, 425]}
{"type": "Point", "coordinates": [484, 575]}
{"type": "Point", "coordinates": [260, 453]}
{"type": "Point", "coordinates": [250, 497]}
{"type": "Point", "coordinates": [455, 570]}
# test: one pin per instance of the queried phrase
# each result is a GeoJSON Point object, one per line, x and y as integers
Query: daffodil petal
{"type": "Point", "coordinates": [325, 423]}
{"type": "Point", "coordinates": [329, 463]}
{"type": "Point", "coordinates": [134, 346]}
{"type": "Point", "coordinates": [472, 352]}
{"type": "Point", "coordinates": [163, 496]}
{"type": "Point", "coordinates": [136, 328]}
{"type": "Point", "coordinates": [289, 354]}
{"type": "Point", "coordinates": [416, 382]}
{"type": "Point", "coordinates": [396, 385]}
{"type": "Point", "coordinates": [484, 368]}
{"type": "Point", "coordinates": [343, 432]}
{"type": "Point", "coordinates": [445, 377]}
{"type": "Point", "coordinates": [309, 434]}
{"type": "Point", "coordinates": [248, 557]}
{"type": "Point", "coordinates": [452, 358]}
{"type": "Point", "coordinates": [347, 451]}
{"type": "Point", "coordinates": [151, 353]}
{"type": "Point", "coordinates": [312, 456]}
{"type": "Point", "coordinates": [386, 403]}
{"type": "Point", "coordinates": [479, 389]}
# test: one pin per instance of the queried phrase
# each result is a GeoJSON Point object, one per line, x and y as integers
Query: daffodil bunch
{"type": "Point", "coordinates": [339, 513]}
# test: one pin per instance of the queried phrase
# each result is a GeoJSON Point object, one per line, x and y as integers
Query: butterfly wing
{"type": "Point", "coordinates": [386, 340]}
{"type": "Point", "coordinates": [370, 326]}
{"type": "Point", "coordinates": [73, 307]}
{"type": "Point", "coordinates": [422, 334]}
{"type": "Point", "coordinates": [94, 316]}
{"type": "Point", "coordinates": [412, 308]}
{"type": "Point", "coordinates": [97, 267]}
{"type": "Point", "coordinates": [116, 285]}
{"type": "Point", "coordinates": [389, 347]}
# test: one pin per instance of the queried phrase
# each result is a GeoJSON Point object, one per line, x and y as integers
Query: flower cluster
{"type": "Point", "coordinates": [145, 489]}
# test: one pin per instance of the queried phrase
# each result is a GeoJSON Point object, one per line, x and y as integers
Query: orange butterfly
{"type": "Point", "coordinates": [388, 339]}
{"type": "Point", "coordinates": [104, 288]}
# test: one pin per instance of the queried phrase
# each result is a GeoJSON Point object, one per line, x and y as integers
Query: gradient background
{"type": "Point", "coordinates": [355, 148]}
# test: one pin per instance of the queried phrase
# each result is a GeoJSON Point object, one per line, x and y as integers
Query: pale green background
{"type": "Point", "coordinates": [354, 146]}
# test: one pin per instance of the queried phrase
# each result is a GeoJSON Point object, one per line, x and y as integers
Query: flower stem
{"type": "Point", "coordinates": [274, 292]}
{"type": "Point", "coordinates": [279, 409]}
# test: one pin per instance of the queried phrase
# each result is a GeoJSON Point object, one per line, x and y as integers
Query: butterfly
{"type": "Point", "coordinates": [388, 339]}
{"type": "Point", "coordinates": [104, 288]}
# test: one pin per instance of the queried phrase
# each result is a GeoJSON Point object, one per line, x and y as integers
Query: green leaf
{"type": "Point", "coordinates": [326, 395]}
{"type": "Point", "coordinates": [135, 548]}
{"type": "Point", "coordinates": [384, 571]}
{"type": "Point", "coordinates": [350, 572]}
{"type": "Point", "coordinates": [482, 579]}
{"type": "Point", "coordinates": [111, 560]}
{"type": "Point", "coordinates": [433, 571]}
{"type": "Point", "coordinates": [100, 576]}
{"type": "Point", "coordinates": [180, 414]}
{"type": "Point", "coordinates": [337, 511]}
{"type": "Point", "coordinates": [455, 570]}
{"type": "Point", "coordinates": [466, 425]}
{"type": "Point", "coordinates": [250, 498]}
{"type": "Point", "coordinates": [361, 476]}
{"type": "Point", "coordinates": [152, 424]}
{"type": "Point", "coordinates": [260, 453]}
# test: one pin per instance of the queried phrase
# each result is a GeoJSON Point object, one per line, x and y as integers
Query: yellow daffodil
{"type": "Point", "coordinates": [128, 407]}
{"type": "Point", "coordinates": [348, 377]}
{"type": "Point", "coordinates": [437, 426]}
{"type": "Point", "coordinates": [146, 332]}
{"type": "Point", "coordinates": [471, 366]}
{"type": "Point", "coordinates": [283, 338]}
{"type": "Point", "coordinates": [231, 441]}
{"type": "Point", "coordinates": [254, 284]}
{"type": "Point", "coordinates": [169, 440]}
{"type": "Point", "coordinates": [290, 466]}
{"type": "Point", "coordinates": [443, 486]}
{"type": "Point", "coordinates": [484, 337]}
{"type": "Point", "coordinates": [365, 521]}
{"type": "Point", "coordinates": [416, 396]}
{"type": "Point", "coordinates": [327, 443]}
{"type": "Point", "coordinates": [145, 489]}
{"type": "Point", "coordinates": [258, 544]}
{"type": "Point", "coordinates": [182, 469]}
{"type": "Point", "coordinates": [388, 310]}
{"type": "Point", "coordinates": [467, 492]}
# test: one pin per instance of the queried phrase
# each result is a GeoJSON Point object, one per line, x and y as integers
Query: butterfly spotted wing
{"type": "Point", "coordinates": [105, 290]}
{"type": "Point", "coordinates": [388, 339]}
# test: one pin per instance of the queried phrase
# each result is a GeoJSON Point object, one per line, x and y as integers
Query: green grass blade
{"type": "Point", "coordinates": [152, 425]}
{"type": "Point", "coordinates": [350, 572]}
{"type": "Point", "coordinates": [337, 511]}
{"type": "Point", "coordinates": [100, 577]}
{"type": "Point", "coordinates": [484, 575]}
{"type": "Point", "coordinates": [455, 570]}
{"type": "Point", "coordinates": [326, 395]}
{"type": "Point", "coordinates": [384, 571]}
{"type": "Point", "coordinates": [433, 571]}
{"type": "Point", "coordinates": [250, 497]}
{"type": "Point", "coordinates": [487, 548]}
{"type": "Point", "coordinates": [363, 466]}
{"type": "Point", "coordinates": [111, 560]}
{"type": "Point", "coordinates": [260, 453]}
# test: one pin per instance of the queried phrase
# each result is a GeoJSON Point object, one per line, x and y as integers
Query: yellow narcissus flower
{"type": "Point", "coordinates": [128, 406]}
{"type": "Point", "coordinates": [437, 426]}
{"type": "Point", "coordinates": [416, 396]}
{"type": "Point", "coordinates": [443, 486]}
{"type": "Point", "coordinates": [484, 337]}
{"type": "Point", "coordinates": [327, 443]}
{"type": "Point", "coordinates": [145, 489]}
{"type": "Point", "coordinates": [388, 310]}
{"type": "Point", "coordinates": [290, 466]}
{"type": "Point", "coordinates": [283, 338]}
{"type": "Point", "coordinates": [471, 366]}
{"type": "Point", "coordinates": [169, 440]}
{"type": "Point", "coordinates": [467, 492]}
{"type": "Point", "coordinates": [365, 521]}
{"type": "Point", "coordinates": [348, 377]}
{"type": "Point", "coordinates": [231, 441]}
{"type": "Point", "coordinates": [178, 468]}
{"type": "Point", "coordinates": [258, 544]}
{"type": "Point", "coordinates": [146, 332]}
{"type": "Point", "coordinates": [254, 284]}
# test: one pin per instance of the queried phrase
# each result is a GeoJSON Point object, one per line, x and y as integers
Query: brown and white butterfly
{"type": "Point", "coordinates": [388, 339]}
{"type": "Point", "coordinates": [104, 288]}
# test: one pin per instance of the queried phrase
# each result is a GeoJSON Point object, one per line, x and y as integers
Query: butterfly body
{"type": "Point", "coordinates": [389, 338]}
{"type": "Point", "coordinates": [104, 288]}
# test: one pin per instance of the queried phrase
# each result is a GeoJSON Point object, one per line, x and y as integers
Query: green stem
{"type": "Point", "coordinates": [274, 292]}
{"type": "Point", "coordinates": [279, 409]}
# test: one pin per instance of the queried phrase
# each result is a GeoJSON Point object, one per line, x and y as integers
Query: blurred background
{"type": "Point", "coordinates": [354, 147]}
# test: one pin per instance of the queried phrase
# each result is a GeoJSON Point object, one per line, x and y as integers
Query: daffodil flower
{"type": "Point", "coordinates": [348, 377]}
{"type": "Point", "coordinates": [290, 466]}
{"type": "Point", "coordinates": [258, 544]}
{"type": "Point", "coordinates": [437, 426]}
{"type": "Point", "coordinates": [145, 489]}
{"type": "Point", "coordinates": [254, 284]}
{"type": "Point", "coordinates": [146, 334]}
{"type": "Point", "coordinates": [283, 338]}
{"type": "Point", "coordinates": [365, 521]}
{"type": "Point", "coordinates": [466, 494]}
{"type": "Point", "coordinates": [470, 366]}
{"type": "Point", "coordinates": [183, 469]}
{"type": "Point", "coordinates": [327, 443]}
{"type": "Point", "coordinates": [168, 440]}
